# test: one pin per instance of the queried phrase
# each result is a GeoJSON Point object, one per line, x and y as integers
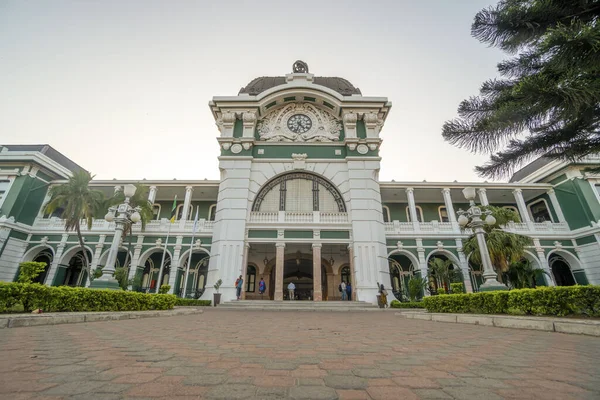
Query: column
{"type": "Point", "coordinates": [412, 208]}
{"type": "Point", "coordinates": [483, 197]}
{"type": "Point", "coordinates": [137, 251]}
{"type": "Point", "coordinates": [245, 269]}
{"type": "Point", "coordinates": [279, 259]}
{"type": "Point", "coordinates": [450, 209]}
{"type": "Point", "coordinates": [97, 253]}
{"type": "Point", "coordinates": [523, 208]}
{"type": "Point", "coordinates": [422, 262]}
{"type": "Point", "coordinates": [464, 267]}
{"type": "Point", "coordinates": [60, 248]}
{"type": "Point", "coordinates": [186, 203]}
{"type": "Point", "coordinates": [544, 262]}
{"type": "Point", "coordinates": [174, 265]}
{"type": "Point", "coordinates": [352, 273]}
{"type": "Point", "coordinates": [317, 290]}
{"type": "Point", "coordinates": [556, 205]}
{"type": "Point", "coordinates": [152, 194]}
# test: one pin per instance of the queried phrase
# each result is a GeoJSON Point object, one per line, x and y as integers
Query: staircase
{"type": "Point", "coordinates": [270, 305]}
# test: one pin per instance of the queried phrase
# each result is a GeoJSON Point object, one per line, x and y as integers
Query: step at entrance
{"type": "Point", "coordinates": [270, 305]}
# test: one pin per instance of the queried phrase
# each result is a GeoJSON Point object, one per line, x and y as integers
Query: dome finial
{"type": "Point", "coordinates": [300, 67]}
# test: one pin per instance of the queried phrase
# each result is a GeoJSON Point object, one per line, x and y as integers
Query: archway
{"type": "Point", "coordinates": [72, 269]}
{"type": "Point", "coordinates": [43, 254]}
{"type": "Point", "coordinates": [402, 268]}
{"type": "Point", "coordinates": [196, 281]}
{"type": "Point", "coordinates": [453, 274]}
{"type": "Point", "coordinates": [151, 269]}
{"type": "Point", "coordinates": [561, 270]}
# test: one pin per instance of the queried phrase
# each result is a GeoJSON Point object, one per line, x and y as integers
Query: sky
{"type": "Point", "coordinates": [122, 87]}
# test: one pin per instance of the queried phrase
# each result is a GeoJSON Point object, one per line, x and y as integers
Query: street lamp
{"type": "Point", "coordinates": [472, 218]}
{"type": "Point", "coordinates": [126, 215]}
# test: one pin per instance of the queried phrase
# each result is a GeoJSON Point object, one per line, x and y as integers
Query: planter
{"type": "Point", "coordinates": [216, 298]}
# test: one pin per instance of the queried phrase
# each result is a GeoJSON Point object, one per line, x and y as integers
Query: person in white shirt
{"type": "Point", "coordinates": [291, 288]}
{"type": "Point", "coordinates": [343, 290]}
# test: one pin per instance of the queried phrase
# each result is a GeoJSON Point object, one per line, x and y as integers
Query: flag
{"type": "Point", "coordinates": [174, 210]}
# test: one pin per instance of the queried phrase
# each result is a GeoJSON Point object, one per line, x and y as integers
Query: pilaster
{"type": "Point", "coordinates": [244, 271]}
{"type": "Point", "coordinates": [317, 288]}
{"type": "Point", "coordinates": [279, 260]}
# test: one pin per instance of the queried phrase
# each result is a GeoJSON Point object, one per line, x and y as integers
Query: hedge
{"type": "Point", "coordinates": [556, 301]}
{"type": "Point", "coordinates": [65, 298]}
{"type": "Point", "coordinates": [407, 304]}
{"type": "Point", "coordinates": [192, 302]}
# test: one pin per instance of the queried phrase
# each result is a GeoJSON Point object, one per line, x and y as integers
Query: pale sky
{"type": "Point", "coordinates": [122, 87]}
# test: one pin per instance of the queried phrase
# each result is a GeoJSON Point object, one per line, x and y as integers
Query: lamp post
{"type": "Point", "coordinates": [472, 218]}
{"type": "Point", "coordinates": [126, 215]}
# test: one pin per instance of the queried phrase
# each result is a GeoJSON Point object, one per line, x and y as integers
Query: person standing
{"type": "Point", "coordinates": [291, 289]}
{"type": "Point", "coordinates": [239, 284]}
{"type": "Point", "coordinates": [383, 297]}
{"type": "Point", "coordinates": [262, 286]}
{"type": "Point", "coordinates": [349, 291]}
{"type": "Point", "coordinates": [343, 290]}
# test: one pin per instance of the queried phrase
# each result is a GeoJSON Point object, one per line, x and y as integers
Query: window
{"type": "Point", "coordinates": [386, 214]}
{"type": "Point", "coordinates": [443, 214]}
{"type": "Point", "coordinates": [346, 274]}
{"type": "Point", "coordinates": [250, 278]}
{"type": "Point", "coordinates": [212, 212]}
{"type": "Point", "coordinates": [419, 214]}
{"type": "Point", "coordinates": [540, 212]}
{"type": "Point", "coordinates": [155, 211]}
{"type": "Point", "coordinates": [179, 212]}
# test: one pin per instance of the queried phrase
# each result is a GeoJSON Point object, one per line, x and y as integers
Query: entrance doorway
{"type": "Point", "coordinates": [298, 270]}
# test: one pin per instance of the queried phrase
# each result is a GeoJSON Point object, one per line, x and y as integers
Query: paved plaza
{"type": "Point", "coordinates": [301, 355]}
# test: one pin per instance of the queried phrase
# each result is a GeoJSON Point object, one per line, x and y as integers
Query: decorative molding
{"type": "Point", "coordinates": [236, 148]}
{"type": "Point", "coordinates": [352, 146]}
{"type": "Point", "coordinates": [325, 128]}
{"type": "Point", "coordinates": [362, 149]}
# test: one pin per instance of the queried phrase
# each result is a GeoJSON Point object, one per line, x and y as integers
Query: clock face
{"type": "Point", "coordinates": [299, 123]}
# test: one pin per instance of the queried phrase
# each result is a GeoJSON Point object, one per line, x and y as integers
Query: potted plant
{"type": "Point", "coordinates": [217, 296]}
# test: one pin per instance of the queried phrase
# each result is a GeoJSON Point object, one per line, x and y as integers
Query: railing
{"type": "Point", "coordinates": [434, 227]}
{"type": "Point", "coordinates": [295, 217]}
{"type": "Point", "coordinates": [98, 225]}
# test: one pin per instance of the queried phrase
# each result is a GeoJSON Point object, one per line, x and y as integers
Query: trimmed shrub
{"type": "Point", "coordinates": [164, 289]}
{"type": "Point", "coordinates": [192, 302]}
{"type": "Point", "coordinates": [69, 299]}
{"type": "Point", "coordinates": [30, 270]}
{"type": "Point", "coordinates": [554, 301]}
{"type": "Point", "coordinates": [441, 290]}
{"type": "Point", "coordinates": [407, 304]}
{"type": "Point", "coordinates": [457, 288]}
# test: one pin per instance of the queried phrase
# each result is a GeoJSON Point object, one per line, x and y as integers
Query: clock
{"type": "Point", "coordinates": [299, 123]}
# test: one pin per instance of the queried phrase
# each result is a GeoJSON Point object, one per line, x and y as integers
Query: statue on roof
{"type": "Point", "coordinates": [300, 67]}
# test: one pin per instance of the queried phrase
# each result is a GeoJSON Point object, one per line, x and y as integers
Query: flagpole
{"type": "Point", "coordinates": [187, 272]}
{"type": "Point", "coordinates": [162, 263]}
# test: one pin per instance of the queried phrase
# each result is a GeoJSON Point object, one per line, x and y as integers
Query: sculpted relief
{"type": "Point", "coordinates": [299, 122]}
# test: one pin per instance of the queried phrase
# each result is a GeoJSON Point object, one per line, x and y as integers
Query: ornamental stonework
{"type": "Point", "coordinates": [323, 126]}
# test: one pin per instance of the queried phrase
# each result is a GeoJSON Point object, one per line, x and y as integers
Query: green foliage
{"type": "Point", "coordinates": [457, 288]}
{"type": "Point", "coordinates": [192, 302]}
{"type": "Point", "coordinates": [505, 248]}
{"type": "Point", "coordinates": [71, 299]}
{"type": "Point", "coordinates": [441, 290]}
{"type": "Point", "coordinates": [217, 285]}
{"type": "Point", "coordinates": [442, 273]}
{"type": "Point", "coordinates": [406, 304]}
{"type": "Point", "coordinates": [555, 301]}
{"type": "Point", "coordinates": [549, 92]}
{"type": "Point", "coordinates": [523, 274]}
{"type": "Point", "coordinates": [97, 273]}
{"type": "Point", "coordinates": [139, 199]}
{"type": "Point", "coordinates": [164, 289]}
{"type": "Point", "coordinates": [416, 285]}
{"type": "Point", "coordinates": [30, 270]}
{"type": "Point", "coordinates": [121, 277]}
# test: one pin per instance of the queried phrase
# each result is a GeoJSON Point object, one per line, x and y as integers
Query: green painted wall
{"type": "Point", "coordinates": [405, 242]}
{"type": "Point", "coordinates": [586, 240]}
{"type": "Point", "coordinates": [24, 199]}
{"type": "Point", "coordinates": [256, 234]}
{"type": "Point", "coordinates": [238, 129]}
{"type": "Point", "coordinates": [17, 235]}
{"type": "Point", "coordinates": [573, 204]}
{"type": "Point", "coordinates": [587, 192]}
{"type": "Point", "coordinates": [243, 153]}
{"type": "Point", "coordinates": [202, 206]}
{"type": "Point", "coordinates": [361, 131]}
{"type": "Point", "coordinates": [311, 151]}
{"type": "Point", "coordinates": [335, 235]}
{"type": "Point", "coordinates": [580, 277]}
{"type": "Point", "coordinates": [298, 234]}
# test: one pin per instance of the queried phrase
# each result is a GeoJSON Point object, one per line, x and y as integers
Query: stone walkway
{"type": "Point", "coordinates": [262, 355]}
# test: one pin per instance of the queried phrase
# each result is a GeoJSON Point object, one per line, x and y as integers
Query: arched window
{"type": "Point", "coordinates": [443, 212]}
{"type": "Point", "coordinates": [540, 212]}
{"type": "Point", "coordinates": [563, 276]}
{"type": "Point", "coordinates": [386, 214]}
{"type": "Point", "coordinates": [419, 213]}
{"type": "Point", "coordinates": [212, 212]}
{"type": "Point", "coordinates": [300, 192]}
{"type": "Point", "coordinates": [346, 274]}
{"type": "Point", "coordinates": [155, 211]}
{"type": "Point", "coordinates": [179, 212]}
{"type": "Point", "coordinates": [250, 278]}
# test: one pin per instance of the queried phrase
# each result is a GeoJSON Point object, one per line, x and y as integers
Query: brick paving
{"type": "Point", "coordinates": [302, 355]}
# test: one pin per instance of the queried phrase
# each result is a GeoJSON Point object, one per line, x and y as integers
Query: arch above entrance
{"type": "Point", "coordinates": [299, 191]}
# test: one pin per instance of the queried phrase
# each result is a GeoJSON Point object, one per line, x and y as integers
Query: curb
{"type": "Point", "coordinates": [562, 325]}
{"type": "Point", "coordinates": [18, 321]}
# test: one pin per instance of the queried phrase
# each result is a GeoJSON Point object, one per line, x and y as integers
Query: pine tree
{"type": "Point", "coordinates": [547, 101]}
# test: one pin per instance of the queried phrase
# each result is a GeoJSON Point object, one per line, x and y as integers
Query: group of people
{"type": "Point", "coordinates": [346, 289]}
{"type": "Point", "coordinates": [239, 285]}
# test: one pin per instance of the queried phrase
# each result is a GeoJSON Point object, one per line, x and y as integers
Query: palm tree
{"type": "Point", "coordinates": [523, 274]}
{"type": "Point", "coordinates": [439, 269]}
{"type": "Point", "coordinates": [78, 202]}
{"type": "Point", "coordinates": [505, 248]}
